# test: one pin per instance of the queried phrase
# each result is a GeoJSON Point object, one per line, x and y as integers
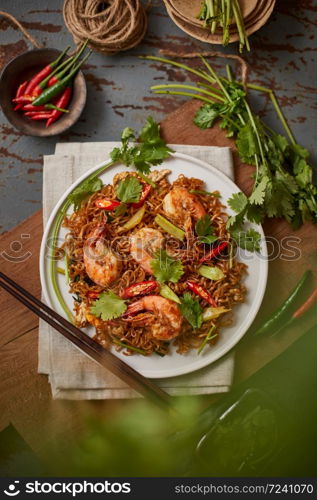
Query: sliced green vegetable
{"type": "Point", "coordinates": [60, 270]}
{"type": "Point", "coordinates": [135, 220]}
{"type": "Point", "coordinates": [167, 226]}
{"type": "Point", "coordinates": [214, 313]}
{"type": "Point", "coordinates": [168, 293]}
{"type": "Point", "coordinates": [208, 337]}
{"type": "Point", "coordinates": [211, 272]}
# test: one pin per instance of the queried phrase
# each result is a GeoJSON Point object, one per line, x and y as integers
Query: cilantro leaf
{"type": "Point", "coordinates": [203, 226]}
{"type": "Point", "coordinates": [165, 268]}
{"type": "Point", "coordinates": [238, 202]}
{"type": "Point", "coordinates": [108, 306]}
{"type": "Point", "coordinates": [191, 310]}
{"type": "Point", "coordinates": [120, 210]}
{"type": "Point", "coordinates": [247, 143]}
{"type": "Point", "coordinates": [248, 240]}
{"type": "Point", "coordinates": [149, 150]}
{"type": "Point", "coordinates": [129, 190]}
{"type": "Point", "coordinates": [208, 239]}
{"type": "Point", "coordinates": [207, 115]}
{"type": "Point", "coordinates": [205, 230]}
{"type": "Point", "coordinates": [85, 189]}
{"type": "Point", "coordinates": [258, 195]}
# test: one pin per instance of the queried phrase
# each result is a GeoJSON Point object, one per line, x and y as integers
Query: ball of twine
{"type": "Point", "coordinates": [111, 26]}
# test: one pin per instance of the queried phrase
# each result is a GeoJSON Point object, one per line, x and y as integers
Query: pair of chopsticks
{"type": "Point", "coordinates": [89, 346]}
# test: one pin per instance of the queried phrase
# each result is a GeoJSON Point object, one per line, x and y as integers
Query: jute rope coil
{"type": "Point", "coordinates": [111, 26]}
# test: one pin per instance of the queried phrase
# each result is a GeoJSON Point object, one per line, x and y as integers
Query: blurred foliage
{"type": "Point", "coordinates": [140, 440]}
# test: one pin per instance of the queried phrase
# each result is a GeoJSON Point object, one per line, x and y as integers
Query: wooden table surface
{"type": "Point", "coordinates": [25, 397]}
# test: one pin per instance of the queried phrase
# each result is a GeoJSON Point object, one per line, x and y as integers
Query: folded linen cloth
{"type": "Point", "coordinates": [72, 374]}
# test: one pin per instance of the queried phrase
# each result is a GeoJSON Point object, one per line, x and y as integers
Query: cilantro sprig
{"type": "Point", "coordinates": [108, 306]}
{"type": "Point", "coordinates": [85, 189]}
{"type": "Point", "coordinates": [283, 185]}
{"type": "Point", "coordinates": [165, 268]}
{"type": "Point", "coordinates": [146, 150]}
{"type": "Point", "coordinates": [205, 230]}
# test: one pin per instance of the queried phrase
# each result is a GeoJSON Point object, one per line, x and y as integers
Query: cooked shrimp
{"type": "Point", "coordinates": [161, 315]}
{"type": "Point", "coordinates": [102, 265]}
{"type": "Point", "coordinates": [181, 206]}
{"type": "Point", "coordinates": [143, 245]}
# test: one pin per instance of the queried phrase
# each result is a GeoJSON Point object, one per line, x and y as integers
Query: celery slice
{"type": "Point", "coordinates": [135, 220]}
{"type": "Point", "coordinates": [213, 313]}
{"type": "Point", "coordinates": [167, 226]}
{"type": "Point", "coordinates": [168, 293]}
{"type": "Point", "coordinates": [211, 272]}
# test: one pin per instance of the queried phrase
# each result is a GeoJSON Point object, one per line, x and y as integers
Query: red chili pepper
{"type": "Point", "coordinates": [40, 112]}
{"type": "Point", "coordinates": [306, 306]}
{"type": "Point", "coordinates": [201, 292]}
{"type": "Point", "coordinates": [40, 116]}
{"type": "Point", "coordinates": [145, 193]}
{"type": "Point", "coordinates": [214, 252]}
{"type": "Point", "coordinates": [43, 74]}
{"type": "Point", "coordinates": [24, 99]}
{"type": "Point", "coordinates": [30, 107]}
{"type": "Point", "coordinates": [20, 92]}
{"type": "Point", "coordinates": [61, 102]}
{"type": "Point", "coordinates": [141, 288]}
{"type": "Point", "coordinates": [105, 204]}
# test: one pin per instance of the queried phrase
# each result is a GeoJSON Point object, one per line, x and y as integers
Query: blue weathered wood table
{"type": "Point", "coordinates": [283, 57]}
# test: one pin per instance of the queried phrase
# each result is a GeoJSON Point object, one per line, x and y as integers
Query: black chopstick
{"type": "Point", "coordinates": [89, 346]}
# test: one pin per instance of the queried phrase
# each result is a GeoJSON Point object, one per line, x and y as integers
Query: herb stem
{"type": "Point", "coordinates": [186, 94]}
{"type": "Point", "coordinates": [147, 180]}
{"type": "Point", "coordinates": [188, 87]}
{"type": "Point", "coordinates": [127, 346]}
{"type": "Point", "coordinates": [179, 65]}
{"type": "Point", "coordinates": [208, 337]}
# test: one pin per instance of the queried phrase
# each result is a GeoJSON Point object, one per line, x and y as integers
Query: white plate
{"type": "Point", "coordinates": [255, 281]}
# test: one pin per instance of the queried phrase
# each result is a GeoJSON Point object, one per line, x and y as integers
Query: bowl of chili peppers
{"type": "Point", "coordinates": [43, 91]}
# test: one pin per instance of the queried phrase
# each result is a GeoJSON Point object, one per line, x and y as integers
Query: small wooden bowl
{"type": "Point", "coordinates": [22, 68]}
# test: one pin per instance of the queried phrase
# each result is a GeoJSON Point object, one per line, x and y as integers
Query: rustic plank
{"type": "Point", "coordinates": [15, 318]}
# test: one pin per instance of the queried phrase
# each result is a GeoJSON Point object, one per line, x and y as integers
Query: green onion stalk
{"type": "Point", "coordinates": [221, 14]}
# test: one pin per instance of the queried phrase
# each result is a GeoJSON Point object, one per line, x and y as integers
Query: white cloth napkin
{"type": "Point", "coordinates": [72, 374]}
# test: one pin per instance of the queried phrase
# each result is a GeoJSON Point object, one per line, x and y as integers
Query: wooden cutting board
{"type": "Point", "coordinates": [25, 398]}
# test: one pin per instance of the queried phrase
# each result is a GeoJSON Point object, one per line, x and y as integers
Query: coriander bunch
{"type": "Point", "coordinates": [283, 185]}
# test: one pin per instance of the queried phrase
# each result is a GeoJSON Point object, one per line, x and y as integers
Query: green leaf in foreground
{"type": "Point", "coordinates": [85, 189]}
{"type": "Point", "coordinates": [108, 306]}
{"type": "Point", "coordinates": [165, 268]}
{"type": "Point", "coordinates": [129, 190]}
{"type": "Point", "coordinates": [191, 310]}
